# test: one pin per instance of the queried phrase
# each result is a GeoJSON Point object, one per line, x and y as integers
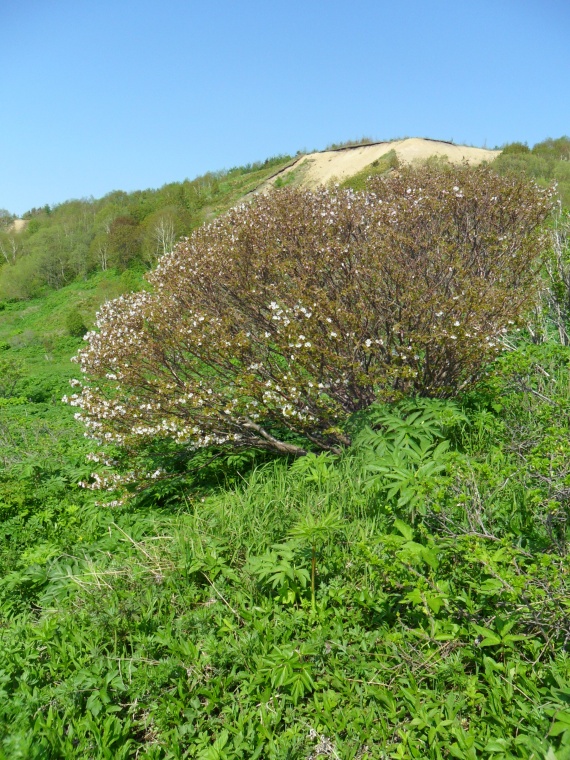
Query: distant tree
{"type": "Point", "coordinates": [6, 219]}
{"type": "Point", "coordinates": [292, 312]}
{"type": "Point", "coordinates": [10, 247]}
{"type": "Point", "coordinates": [160, 236]}
{"type": "Point", "coordinates": [11, 372]}
{"type": "Point", "coordinates": [125, 241]}
{"type": "Point", "coordinates": [100, 251]}
{"type": "Point", "coordinates": [75, 324]}
{"type": "Point", "coordinates": [547, 162]}
{"type": "Point", "coordinates": [514, 148]}
{"type": "Point", "coordinates": [21, 280]}
{"type": "Point", "coordinates": [164, 234]}
{"type": "Point", "coordinates": [556, 149]}
{"type": "Point", "coordinates": [162, 230]}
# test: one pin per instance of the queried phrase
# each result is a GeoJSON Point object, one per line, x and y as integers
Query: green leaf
{"type": "Point", "coordinates": [559, 728]}
{"type": "Point", "coordinates": [497, 745]}
{"type": "Point", "coordinates": [490, 638]}
{"type": "Point", "coordinates": [415, 596]}
{"type": "Point", "coordinates": [434, 602]}
{"type": "Point", "coordinates": [491, 586]}
{"type": "Point", "coordinates": [405, 529]}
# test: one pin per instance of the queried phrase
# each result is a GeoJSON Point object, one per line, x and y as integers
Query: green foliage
{"type": "Point", "coordinates": [557, 266]}
{"type": "Point", "coordinates": [11, 372]}
{"type": "Point", "coordinates": [405, 599]}
{"type": "Point", "coordinates": [195, 631]}
{"type": "Point", "coordinates": [407, 452]}
{"type": "Point", "coordinates": [73, 240]}
{"type": "Point", "coordinates": [350, 143]}
{"type": "Point", "coordinates": [386, 163]}
{"type": "Point", "coordinates": [75, 324]}
{"type": "Point", "coordinates": [559, 148]}
{"type": "Point", "coordinates": [515, 148]}
{"type": "Point", "coordinates": [278, 569]}
{"type": "Point", "coordinates": [546, 162]}
{"type": "Point", "coordinates": [125, 241]}
{"type": "Point", "coordinates": [314, 530]}
{"type": "Point", "coordinates": [426, 630]}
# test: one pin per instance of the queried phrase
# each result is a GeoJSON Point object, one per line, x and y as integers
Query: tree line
{"type": "Point", "coordinates": [546, 162]}
{"type": "Point", "coordinates": [120, 231]}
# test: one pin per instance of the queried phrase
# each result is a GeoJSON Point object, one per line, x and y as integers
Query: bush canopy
{"type": "Point", "coordinates": [290, 313]}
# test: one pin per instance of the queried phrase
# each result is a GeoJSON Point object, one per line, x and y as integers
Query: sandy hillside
{"type": "Point", "coordinates": [337, 165]}
{"type": "Point", "coordinates": [18, 225]}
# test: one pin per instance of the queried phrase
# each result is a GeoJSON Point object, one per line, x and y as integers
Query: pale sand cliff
{"type": "Point", "coordinates": [18, 225]}
{"type": "Point", "coordinates": [337, 165]}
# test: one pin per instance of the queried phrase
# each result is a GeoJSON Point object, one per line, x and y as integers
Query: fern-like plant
{"type": "Point", "coordinates": [407, 449]}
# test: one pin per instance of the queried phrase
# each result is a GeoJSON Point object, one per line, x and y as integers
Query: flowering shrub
{"type": "Point", "coordinates": [288, 314]}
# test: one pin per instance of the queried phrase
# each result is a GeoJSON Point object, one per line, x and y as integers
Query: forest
{"type": "Point", "coordinates": [308, 494]}
{"type": "Point", "coordinates": [75, 239]}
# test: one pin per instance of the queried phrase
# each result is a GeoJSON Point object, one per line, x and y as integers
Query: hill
{"type": "Point", "coordinates": [341, 164]}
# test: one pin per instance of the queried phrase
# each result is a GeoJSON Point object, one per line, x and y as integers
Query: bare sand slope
{"type": "Point", "coordinates": [337, 165]}
{"type": "Point", "coordinates": [18, 225]}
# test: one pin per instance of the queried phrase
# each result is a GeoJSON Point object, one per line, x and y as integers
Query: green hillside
{"type": "Point", "coordinates": [407, 598]}
{"type": "Point", "coordinates": [120, 231]}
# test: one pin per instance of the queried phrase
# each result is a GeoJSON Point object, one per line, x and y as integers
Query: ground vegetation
{"type": "Point", "coordinates": [405, 598]}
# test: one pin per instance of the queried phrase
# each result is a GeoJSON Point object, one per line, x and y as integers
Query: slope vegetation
{"type": "Point", "coordinates": [407, 599]}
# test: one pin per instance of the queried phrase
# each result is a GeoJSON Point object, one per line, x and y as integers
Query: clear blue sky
{"type": "Point", "coordinates": [100, 95]}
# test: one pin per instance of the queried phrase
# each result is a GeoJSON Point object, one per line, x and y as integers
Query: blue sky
{"type": "Point", "coordinates": [99, 95]}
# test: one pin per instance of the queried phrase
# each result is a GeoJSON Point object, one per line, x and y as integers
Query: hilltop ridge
{"type": "Point", "coordinates": [322, 167]}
